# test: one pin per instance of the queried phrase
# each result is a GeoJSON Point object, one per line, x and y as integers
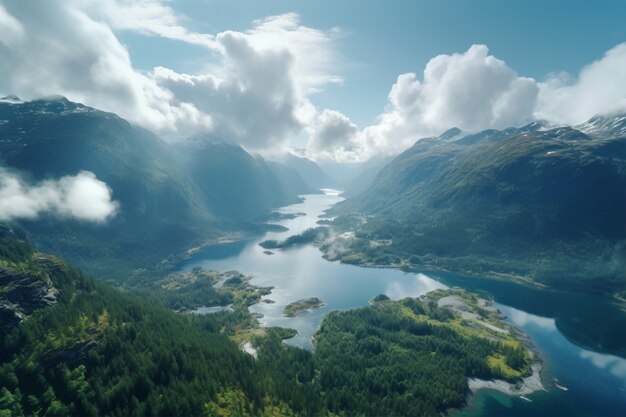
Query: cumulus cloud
{"type": "Point", "coordinates": [259, 94]}
{"type": "Point", "coordinates": [471, 90]}
{"type": "Point", "coordinates": [68, 52]}
{"type": "Point", "coordinates": [257, 86]}
{"type": "Point", "coordinates": [82, 196]}
{"type": "Point", "coordinates": [255, 90]}
{"type": "Point", "coordinates": [332, 135]}
{"type": "Point", "coordinates": [599, 88]}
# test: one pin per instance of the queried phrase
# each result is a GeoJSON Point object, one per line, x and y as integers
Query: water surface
{"type": "Point", "coordinates": [581, 337]}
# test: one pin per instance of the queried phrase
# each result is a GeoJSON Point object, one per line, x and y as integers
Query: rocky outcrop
{"type": "Point", "coordinates": [22, 292]}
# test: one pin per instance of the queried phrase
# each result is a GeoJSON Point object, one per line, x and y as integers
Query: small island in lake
{"type": "Point", "coordinates": [318, 234]}
{"type": "Point", "coordinates": [301, 305]}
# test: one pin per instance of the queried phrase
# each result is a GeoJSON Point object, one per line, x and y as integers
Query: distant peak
{"type": "Point", "coordinates": [453, 133]}
{"type": "Point", "coordinates": [605, 126]}
{"type": "Point", "coordinates": [13, 99]}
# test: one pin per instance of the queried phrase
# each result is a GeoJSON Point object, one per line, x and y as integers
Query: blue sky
{"type": "Point", "coordinates": [381, 39]}
{"type": "Point", "coordinates": [341, 80]}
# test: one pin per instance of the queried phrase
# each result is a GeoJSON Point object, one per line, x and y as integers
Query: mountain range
{"type": "Point", "coordinates": [172, 195]}
{"type": "Point", "coordinates": [538, 203]}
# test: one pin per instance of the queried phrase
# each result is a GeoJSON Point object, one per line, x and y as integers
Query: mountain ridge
{"type": "Point", "coordinates": [172, 195]}
{"type": "Point", "coordinates": [544, 204]}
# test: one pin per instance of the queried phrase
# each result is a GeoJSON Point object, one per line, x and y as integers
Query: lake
{"type": "Point", "coordinates": [582, 337]}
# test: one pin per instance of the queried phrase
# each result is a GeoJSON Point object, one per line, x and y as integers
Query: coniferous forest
{"type": "Point", "coordinates": [99, 351]}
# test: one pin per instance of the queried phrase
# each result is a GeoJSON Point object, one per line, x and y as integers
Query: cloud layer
{"type": "Point", "coordinates": [472, 91]}
{"type": "Point", "coordinates": [599, 88]}
{"type": "Point", "coordinates": [258, 89]}
{"type": "Point", "coordinates": [254, 92]}
{"type": "Point", "coordinates": [82, 197]}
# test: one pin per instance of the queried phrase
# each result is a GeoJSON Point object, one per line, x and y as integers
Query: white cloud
{"type": "Point", "coordinates": [258, 95]}
{"type": "Point", "coordinates": [258, 88]}
{"type": "Point", "coordinates": [82, 196]}
{"type": "Point", "coordinates": [332, 135]}
{"type": "Point", "coordinates": [255, 91]}
{"type": "Point", "coordinates": [12, 29]}
{"type": "Point", "coordinates": [599, 88]}
{"type": "Point", "coordinates": [65, 51]}
{"type": "Point", "coordinates": [472, 91]}
{"type": "Point", "coordinates": [149, 17]}
{"type": "Point", "coordinates": [475, 91]}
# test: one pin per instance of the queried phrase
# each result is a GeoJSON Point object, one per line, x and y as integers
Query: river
{"type": "Point", "coordinates": [581, 337]}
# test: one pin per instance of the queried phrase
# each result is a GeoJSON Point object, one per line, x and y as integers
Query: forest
{"type": "Point", "coordinates": [100, 351]}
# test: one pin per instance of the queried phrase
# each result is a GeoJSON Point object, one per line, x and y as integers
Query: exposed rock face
{"type": "Point", "coordinates": [24, 292]}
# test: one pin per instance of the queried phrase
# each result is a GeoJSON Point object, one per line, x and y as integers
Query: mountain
{"type": "Point", "coordinates": [233, 183]}
{"type": "Point", "coordinates": [291, 180]}
{"type": "Point", "coordinates": [308, 170]}
{"type": "Point", "coordinates": [605, 126]}
{"type": "Point", "coordinates": [92, 350]}
{"type": "Point", "coordinates": [363, 175]}
{"type": "Point", "coordinates": [172, 197]}
{"type": "Point", "coordinates": [545, 205]}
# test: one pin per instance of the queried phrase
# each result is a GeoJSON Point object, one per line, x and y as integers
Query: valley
{"type": "Point", "coordinates": [485, 276]}
{"type": "Point", "coordinates": [312, 209]}
{"type": "Point", "coordinates": [566, 329]}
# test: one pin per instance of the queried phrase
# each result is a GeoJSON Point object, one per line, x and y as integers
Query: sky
{"type": "Point", "coordinates": [342, 80]}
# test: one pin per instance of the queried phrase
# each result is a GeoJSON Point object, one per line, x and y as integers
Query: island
{"type": "Point", "coordinates": [302, 305]}
{"type": "Point", "coordinates": [421, 356]}
{"type": "Point", "coordinates": [313, 235]}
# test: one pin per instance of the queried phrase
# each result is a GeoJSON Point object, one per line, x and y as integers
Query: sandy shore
{"type": "Point", "coordinates": [527, 386]}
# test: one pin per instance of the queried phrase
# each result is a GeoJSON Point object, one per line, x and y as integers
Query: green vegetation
{"type": "Point", "coordinates": [317, 234]}
{"type": "Point", "coordinates": [172, 196]}
{"type": "Point", "coordinates": [190, 290]}
{"type": "Point", "coordinates": [292, 309]}
{"type": "Point", "coordinates": [410, 357]}
{"type": "Point", "coordinates": [98, 351]}
{"type": "Point", "coordinates": [541, 206]}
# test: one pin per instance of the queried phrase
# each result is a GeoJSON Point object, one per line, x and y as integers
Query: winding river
{"type": "Point", "coordinates": [581, 337]}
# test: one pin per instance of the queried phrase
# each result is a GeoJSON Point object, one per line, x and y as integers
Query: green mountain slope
{"type": "Point", "coordinates": [545, 205]}
{"type": "Point", "coordinates": [309, 171]}
{"type": "Point", "coordinates": [170, 198]}
{"type": "Point", "coordinates": [91, 350]}
{"type": "Point", "coordinates": [233, 183]}
{"type": "Point", "coordinates": [96, 351]}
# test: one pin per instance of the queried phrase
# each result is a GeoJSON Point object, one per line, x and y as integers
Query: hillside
{"type": "Point", "coordinates": [171, 197]}
{"type": "Point", "coordinates": [91, 350]}
{"type": "Point", "coordinates": [544, 205]}
{"type": "Point", "coordinates": [309, 171]}
{"type": "Point", "coordinates": [233, 183]}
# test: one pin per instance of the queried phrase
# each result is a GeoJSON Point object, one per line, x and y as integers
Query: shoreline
{"type": "Point", "coordinates": [528, 385]}
{"type": "Point", "coordinates": [488, 276]}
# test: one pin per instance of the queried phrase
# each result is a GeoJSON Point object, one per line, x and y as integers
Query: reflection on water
{"type": "Point", "coordinates": [589, 383]}
{"type": "Point", "coordinates": [575, 333]}
{"type": "Point", "coordinates": [412, 287]}
{"type": "Point", "coordinates": [523, 319]}
{"type": "Point", "coordinates": [613, 364]}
